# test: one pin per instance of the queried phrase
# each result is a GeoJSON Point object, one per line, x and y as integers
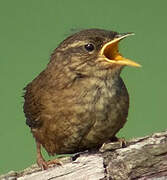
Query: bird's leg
{"type": "Point", "coordinates": [122, 141]}
{"type": "Point", "coordinates": [40, 160]}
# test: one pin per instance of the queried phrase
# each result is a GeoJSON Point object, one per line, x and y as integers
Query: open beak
{"type": "Point", "coordinates": [112, 55]}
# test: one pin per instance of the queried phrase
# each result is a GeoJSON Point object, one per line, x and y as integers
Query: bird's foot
{"type": "Point", "coordinates": [54, 162]}
{"type": "Point", "coordinates": [46, 164]}
{"type": "Point", "coordinates": [113, 144]}
{"type": "Point", "coordinates": [42, 163]}
{"type": "Point", "coordinates": [122, 141]}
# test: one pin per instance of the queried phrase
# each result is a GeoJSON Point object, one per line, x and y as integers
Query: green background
{"type": "Point", "coordinates": [31, 29]}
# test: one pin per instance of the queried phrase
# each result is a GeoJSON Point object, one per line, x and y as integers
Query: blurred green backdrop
{"type": "Point", "coordinates": [31, 29]}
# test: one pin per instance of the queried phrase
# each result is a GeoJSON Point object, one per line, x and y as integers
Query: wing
{"type": "Point", "coordinates": [39, 93]}
{"type": "Point", "coordinates": [32, 107]}
{"type": "Point", "coordinates": [32, 101]}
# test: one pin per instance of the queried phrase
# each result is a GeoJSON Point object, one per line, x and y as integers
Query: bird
{"type": "Point", "coordinates": [79, 101]}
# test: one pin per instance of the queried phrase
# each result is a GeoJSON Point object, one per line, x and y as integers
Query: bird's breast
{"type": "Point", "coordinates": [107, 104]}
{"type": "Point", "coordinates": [82, 116]}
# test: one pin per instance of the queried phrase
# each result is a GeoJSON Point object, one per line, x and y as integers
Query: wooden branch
{"type": "Point", "coordinates": [142, 158]}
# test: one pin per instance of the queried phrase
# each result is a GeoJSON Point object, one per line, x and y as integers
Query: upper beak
{"type": "Point", "coordinates": [111, 53]}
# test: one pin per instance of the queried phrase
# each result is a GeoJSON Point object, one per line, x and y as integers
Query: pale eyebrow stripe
{"type": "Point", "coordinates": [75, 44]}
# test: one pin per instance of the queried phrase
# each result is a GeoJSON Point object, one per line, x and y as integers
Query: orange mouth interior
{"type": "Point", "coordinates": [111, 52]}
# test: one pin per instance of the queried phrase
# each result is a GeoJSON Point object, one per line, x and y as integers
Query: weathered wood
{"type": "Point", "coordinates": [142, 158]}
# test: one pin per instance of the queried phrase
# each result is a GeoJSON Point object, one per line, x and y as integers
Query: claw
{"type": "Point", "coordinates": [54, 162]}
{"type": "Point", "coordinates": [122, 141]}
{"type": "Point", "coordinates": [42, 163]}
{"type": "Point", "coordinates": [113, 144]}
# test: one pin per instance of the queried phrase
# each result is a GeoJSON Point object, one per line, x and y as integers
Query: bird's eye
{"type": "Point", "coordinates": [89, 47]}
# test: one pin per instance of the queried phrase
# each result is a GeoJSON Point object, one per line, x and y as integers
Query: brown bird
{"type": "Point", "coordinates": [79, 101]}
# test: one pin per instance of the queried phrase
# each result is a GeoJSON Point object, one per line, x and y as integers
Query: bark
{"type": "Point", "coordinates": [143, 158]}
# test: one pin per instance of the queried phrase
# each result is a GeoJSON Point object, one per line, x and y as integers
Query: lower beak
{"type": "Point", "coordinates": [112, 55]}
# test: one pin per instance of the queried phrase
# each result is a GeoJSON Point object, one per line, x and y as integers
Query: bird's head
{"type": "Point", "coordinates": [92, 50]}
